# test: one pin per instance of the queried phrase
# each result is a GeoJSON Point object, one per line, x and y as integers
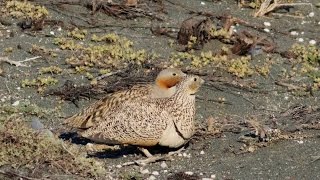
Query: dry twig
{"type": "Point", "coordinates": [18, 63]}
{"type": "Point", "coordinates": [271, 5]}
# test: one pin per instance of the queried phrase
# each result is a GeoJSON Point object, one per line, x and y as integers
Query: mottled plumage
{"type": "Point", "coordinates": [148, 122]}
{"type": "Point", "coordinates": [163, 87]}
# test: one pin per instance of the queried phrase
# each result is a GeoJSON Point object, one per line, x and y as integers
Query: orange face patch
{"type": "Point", "coordinates": [167, 83]}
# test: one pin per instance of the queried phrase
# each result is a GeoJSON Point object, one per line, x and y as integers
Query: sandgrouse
{"type": "Point", "coordinates": [163, 87]}
{"type": "Point", "coordinates": [150, 121]}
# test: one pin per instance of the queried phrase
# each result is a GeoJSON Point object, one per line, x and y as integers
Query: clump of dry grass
{"type": "Point", "coordinates": [23, 147]}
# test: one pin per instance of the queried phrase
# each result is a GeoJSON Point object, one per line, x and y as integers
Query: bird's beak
{"type": "Point", "coordinates": [201, 81]}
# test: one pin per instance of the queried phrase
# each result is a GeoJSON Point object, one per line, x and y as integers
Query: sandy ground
{"type": "Point", "coordinates": [220, 156]}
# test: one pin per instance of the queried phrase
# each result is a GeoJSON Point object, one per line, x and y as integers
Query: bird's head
{"type": "Point", "coordinates": [169, 77]}
{"type": "Point", "coordinates": [190, 84]}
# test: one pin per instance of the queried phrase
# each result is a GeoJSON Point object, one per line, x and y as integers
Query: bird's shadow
{"type": "Point", "coordinates": [74, 138]}
{"type": "Point", "coordinates": [129, 150]}
{"type": "Point", "coordinates": [110, 153]}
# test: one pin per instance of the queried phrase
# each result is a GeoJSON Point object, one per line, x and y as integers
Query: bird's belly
{"type": "Point", "coordinates": [171, 138]}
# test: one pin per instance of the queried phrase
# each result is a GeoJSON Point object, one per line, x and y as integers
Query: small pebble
{"type": "Point", "coordinates": [312, 42]}
{"type": "Point", "coordinates": [165, 171]}
{"type": "Point", "coordinates": [300, 142]}
{"type": "Point", "coordinates": [267, 23]}
{"type": "Point", "coordinates": [18, 88]}
{"type": "Point", "coordinates": [118, 166]}
{"type": "Point", "coordinates": [213, 176]}
{"type": "Point", "coordinates": [300, 39]}
{"type": "Point", "coordinates": [163, 165]}
{"type": "Point", "coordinates": [294, 33]}
{"type": "Point", "coordinates": [152, 178]}
{"type": "Point", "coordinates": [145, 171]}
{"type": "Point", "coordinates": [36, 124]}
{"type": "Point", "coordinates": [201, 152]}
{"type": "Point", "coordinates": [232, 28]}
{"type": "Point", "coordinates": [302, 32]}
{"type": "Point", "coordinates": [203, 3]}
{"type": "Point", "coordinates": [16, 103]}
{"type": "Point", "coordinates": [156, 173]}
{"type": "Point", "coordinates": [311, 14]}
{"type": "Point", "coordinates": [52, 32]}
{"type": "Point", "coordinates": [59, 29]}
{"type": "Point", "coordinates": [180, 154]}
{"type": "Point", "coordinates": [266, 30]}
{"type": "Point", "coordinates": [188, 173]}
{"type": "Point", "coordinates": [206, 179]}
{"type": "Point", "coordinates": [286, 97]}
{"type": "Point", "coordinates": [184, 155]}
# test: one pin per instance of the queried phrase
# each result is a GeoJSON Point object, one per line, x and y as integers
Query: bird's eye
{"type": "Point", "coordinates": [195, 79]}
{"type": "Point", "coordinates": [174, 74]}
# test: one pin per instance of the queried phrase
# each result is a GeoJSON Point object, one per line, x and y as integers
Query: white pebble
{"type": "Point", "coordinates": [206, 179]}
{"type": "Point", "coordinates": [294, 33]}
{"type": "Point", "coordinates": [303, 22]}
{"type": "Point", "coordinates": [59, 29]}
{"type": "Point", "coordinates": [152, 178]}
{"type": "Point", "coordinates": [201, 152]}
{"type": "Point", "coordinates": [266, 30]}
{"type": "Point", "coordinates": [302, 32]}
{"type": "Point", "coordinates": [52, 32]}
{"type": "Point", "coordinates": [180, 154]}
{"type": "Point", "coordinates": [145, 171]}
{"type": "Point", "coordinates": [286, 97]}
{"type": "Point", "coordinates": [201, 174]}
{"type": "Point", "coordinates": [184, 155]}
{"type": "Point", "coordinates": [311, 14]}
{"type": "Point", "coordinates": [233, 28]}
{"type": "Point", "coordinates": [18, 88]}
{"type": "Point", "coordinates": [156, 173]}
{"type": "Point", "coordinates": [267, 23]}
{"type": "Point", "coordinates": [312, 42]}
{"type": "Point", "coordinates": [319, 22]}
{"type": "Point", "coordinates": [300, 39]}
{"type": "Point", "coordinates": [16, 103]}
{"type": "Point", "coordinates": [119, 166]}
{"type": "Point", "coordinates": [213, 176]}
{"type": "Point", "coordinates": [189, 173]}
{"type": "Point", "coordinates": [300, 142]}
{"type": "Point", "coordinates": [165, 171]}
{"type": "Point", "coordinates": [163, 165]}
{"type": "Point", "coordinates": [203, 3]}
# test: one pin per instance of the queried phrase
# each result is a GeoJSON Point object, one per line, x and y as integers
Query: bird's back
{"type": "Point", "coordinates": [140, 122]}
{"type": "Point", "coordinates": [108, 105]}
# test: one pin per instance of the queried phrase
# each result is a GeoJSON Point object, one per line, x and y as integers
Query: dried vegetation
{"type": "Point", "coordinates": [23, 147]}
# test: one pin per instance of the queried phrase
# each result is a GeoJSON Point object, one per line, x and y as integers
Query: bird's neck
{"type": "Point", "coordinates": [182, 98]}
{"type": "Point", "coordinates": [159, 92]}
